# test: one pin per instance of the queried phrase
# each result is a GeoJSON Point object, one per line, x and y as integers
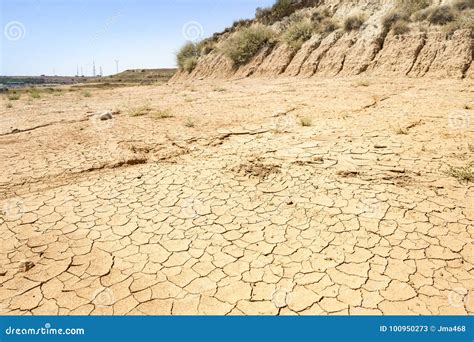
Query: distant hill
{"type": "Point", "coordinates": [140, 76]}
{"type": "Point", "coordinates": [22, 81]}
{"type": "Point", "coordinates": [134, 76]}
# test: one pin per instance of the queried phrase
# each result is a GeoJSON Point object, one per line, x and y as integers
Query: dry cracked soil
{"type": "Point", "coordinates": [256, 196]}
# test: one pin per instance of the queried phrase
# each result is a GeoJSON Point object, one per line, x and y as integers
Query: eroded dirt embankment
{"type": "Point", "coordinates": [423, 50]}
{"type": "Point", "coordinates": [424, 54]}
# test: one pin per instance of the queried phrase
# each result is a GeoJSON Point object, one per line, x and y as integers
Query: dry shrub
{"type": "Point", "coordinates": [354, 22]}
{"type": "Point", "coordinates": [462, 5]}
{"type": "Point", "coordinates": [400, 27]}
{"type": "Point", "coordinates": [246, 43]}
{"type": "Point", "coordinates": [188, 56]}
{"type": "Point", "coordinates": [442, 15]}
{"type": "Point", "coordinates": [298, 33]}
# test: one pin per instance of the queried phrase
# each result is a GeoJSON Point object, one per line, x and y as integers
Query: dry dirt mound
{"type": "Point", "coordinates": [352, 37]}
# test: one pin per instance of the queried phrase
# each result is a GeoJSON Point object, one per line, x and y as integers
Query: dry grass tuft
{"type": "Point", "coordinates": [400, 27]}
{"type": "Point", "coordinates": [305, 121]}
{"type": "Point", "coordinates": [140, 111]}
{"type": "Point", "coordinates": [362, 83]}
{"type": "Point", "coordinates": [162, 114]}
{"type": "Point", "coordinates": [462, 174]}
{"type": "Point", "coordinates": [188, 56]}
{"type": "Point", "coordinates": [189, 122]}
{"type": "Point", "coordinates": [35, 94]}
{"type": "Point", "coordinates": [13, 97]}
{"type": "Point", "coordinates": [442, 15]}
{"type": "Point", "coordinates": [354, 22]}
{"type": "Point", "coordinates": [246, 43]}
{"type": "Point", "coordinates": [298, 33]}
{"type": "Point", "coordinates": [402, 131]}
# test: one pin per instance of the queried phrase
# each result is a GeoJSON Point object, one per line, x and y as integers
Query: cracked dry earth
{"type": "Point", "coordinates": [246, 212]}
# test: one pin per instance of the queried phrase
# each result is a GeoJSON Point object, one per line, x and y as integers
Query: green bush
{"type": "Point", "coordinates": [354, 22]}
{"type": "Point", "coordinates": [318, 16]}
{"type": "Point", "coordinates": [461, 23]}
{"type": "Point", "coordinates": [205, 47]}
{"type": "Point", "coordinates": [13, 97]}
{"type": "Point", "coordinates": [241, 23]}
{"type": "Point", "coordinates": [281, 9]}
{"type": "Point", "coordinates": [411, 6]}
{"type": "Point", "coordinates": [246, 43]}
{"type": "Point", "coordinates": [188, 56]}
{"type": "Point", "coordinates": [400, 27]}
{"type": "Point", "coordinates": [462, 5]}
{"type": "Point", "coordinates": [190, 63]}
{"type": "Point", "coordinates": [422, 14]}
{"type": "Point", "coordinates": [297, 33]}
{"type": "Point", "coordinates": [392, 18]}
{"type": "Point", "coordinates": [34, 93]}
{"type": "Point", "coordinates": [442, 15]}
{"type": "Point", "coordinates": [327, 25]}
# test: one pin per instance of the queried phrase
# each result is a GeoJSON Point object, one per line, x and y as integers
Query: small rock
{"type": "Point", "coordinates": [348, 173]}
{"type": "Point", "coordinates": [380, 146]}
{"type": "Point", "coordinates": [26, 265]}
{"type": "Point", "coordinates": [318, 159]}
{"type": "Point", "coordinates": [3, 273]}
{"type": "Point", "coordinates": [105, 116]}
{"type": "Point", "coordinates": [397, 170]}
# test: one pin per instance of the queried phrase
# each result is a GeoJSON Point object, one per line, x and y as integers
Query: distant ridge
{"type": "Point", "coordinates": [140, 76]}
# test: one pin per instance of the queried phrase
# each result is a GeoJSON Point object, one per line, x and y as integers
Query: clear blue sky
{"type": "Point", "coordinates": [39, 36]}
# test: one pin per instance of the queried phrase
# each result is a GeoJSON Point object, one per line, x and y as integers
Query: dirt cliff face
{"type": "Point", "coordinates": [424, 51]}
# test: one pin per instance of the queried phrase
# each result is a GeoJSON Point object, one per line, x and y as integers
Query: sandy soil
{"type": "Point", "coordinates": [231, 206]}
